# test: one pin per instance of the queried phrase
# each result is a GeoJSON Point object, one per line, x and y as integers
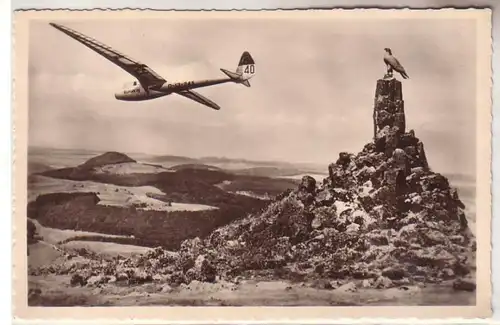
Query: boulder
{"type": "Point", "coordinates": [394, 273]}
{"type": "Point", "coordinates": [352, 228]}
{"type": "Point", "coordinates": [422, 157]}
{"type": "Point", "coordinates": [383, 282]}
{"type": "Point", "coordinates": [348, 287]}
{"type": "Point", "coordinates": [344, 160]}
{"type": "Point", "coordinates": [78, 280]}
{"type": "Point", "coordinates": [464, 285]}
{"type": "Point", "coordinates": [96, 280]}
{"type": "Point", "coordinates": [308, 184]}
{"type": "Point", "coordinates": [204, 270]}
{"type": "Point", "coordinates": [166, 288]}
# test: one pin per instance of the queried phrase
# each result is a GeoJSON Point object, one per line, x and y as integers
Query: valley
{"type": "Point", "coordinates": [112, 198]}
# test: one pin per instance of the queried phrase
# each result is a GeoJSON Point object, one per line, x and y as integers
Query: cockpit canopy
{"type": "Point", "coordinates": [131, 84]}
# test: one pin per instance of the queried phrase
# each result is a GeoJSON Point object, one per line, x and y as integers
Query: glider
{"type": "Point", "coordinates": [150, 85]}
{"type": "Point", "coordinates": [393, 64]}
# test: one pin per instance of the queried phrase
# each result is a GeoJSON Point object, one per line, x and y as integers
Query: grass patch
{"type": "Point", "coordinates": [80, 211]}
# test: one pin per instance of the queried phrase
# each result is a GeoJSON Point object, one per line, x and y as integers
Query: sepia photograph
{"type": "Point", "coordinates": [320, 158]}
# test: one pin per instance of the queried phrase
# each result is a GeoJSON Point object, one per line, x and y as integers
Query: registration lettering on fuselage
{"type": "Point", "coordinates": [132, 91]}
{"type": "Point", "coordinates": [180, 84]}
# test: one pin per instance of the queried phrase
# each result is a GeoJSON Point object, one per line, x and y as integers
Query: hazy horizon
{"type": "Point", "coordinates": [311, 98]}
{"type": "Point", "coordinates": [101, 151]}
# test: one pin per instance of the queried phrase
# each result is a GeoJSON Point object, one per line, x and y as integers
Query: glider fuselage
{"type": "Point", "coordinates": [138, 93]}
{"type": "Point", "coordinates": [149, 85]}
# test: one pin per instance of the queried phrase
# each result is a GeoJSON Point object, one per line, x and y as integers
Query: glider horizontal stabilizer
{"type": "Point", "coordinates": [244, 71]}
{"type": "Point", "coordinates": [236, 77]}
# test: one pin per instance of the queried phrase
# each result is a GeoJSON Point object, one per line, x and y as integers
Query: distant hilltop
{"type": "Point", "coordinates": [108, 158]}
{"type": "Point", "coordinates": [194, 166]}
{"type": "Point", "coordinates": [168, 161]}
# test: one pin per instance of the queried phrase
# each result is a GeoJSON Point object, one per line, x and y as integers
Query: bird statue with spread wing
{"type": "Point", "coordinates": [393, 64]}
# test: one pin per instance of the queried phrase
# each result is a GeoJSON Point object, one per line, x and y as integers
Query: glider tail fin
{"type": "Point", "coordinates": [244, 71]}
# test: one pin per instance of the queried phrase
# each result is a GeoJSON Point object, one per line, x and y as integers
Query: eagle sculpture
{"type": "Point", "coordinates": [393, 64]}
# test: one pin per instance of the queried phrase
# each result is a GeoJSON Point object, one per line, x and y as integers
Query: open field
{"type": "Point", "coordinates": [54, 236]}
{"type": "Point", "coordinates": [137, 203]}
{"type": "Point", "coordinates": [141, 197]}
{"type": "Point", "coordinates": [106, 249]}
{"type": "Point", "coordinates": [43, 253]}
{"type": "Point", "coordinates": [317, 177]}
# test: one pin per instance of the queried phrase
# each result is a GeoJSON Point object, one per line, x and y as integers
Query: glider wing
{"type": "Point", "coordinates": [198, 98]}
{"type": "Point", "coordinates": [146, 76]}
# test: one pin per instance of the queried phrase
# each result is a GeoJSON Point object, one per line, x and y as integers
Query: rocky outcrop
{"type": "Point", "coordinates": [382, 217]}
{"type": "Point", "coordinates": [381, 214]}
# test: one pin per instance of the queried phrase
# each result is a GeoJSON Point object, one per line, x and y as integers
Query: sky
{"type": "Point", "coordinates": [311, 98]}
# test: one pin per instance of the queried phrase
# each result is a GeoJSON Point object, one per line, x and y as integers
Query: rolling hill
{"type": "Point", "coordinates": [87, 206]}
